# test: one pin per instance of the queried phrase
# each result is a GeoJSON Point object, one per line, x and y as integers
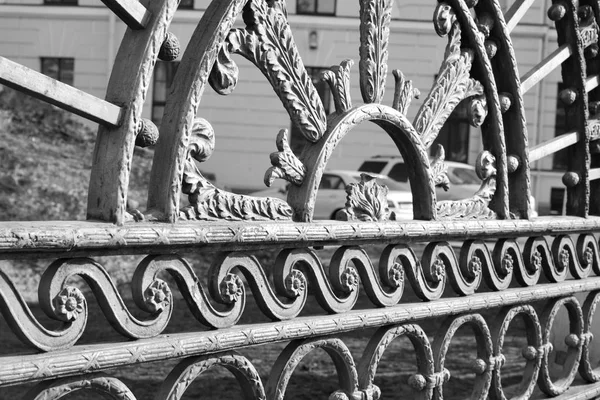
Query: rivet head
{"type": "Point", "coordinates": [170, 48]}
{"type": "Point", "coordinates": [556, 12]}
{"type": "Point", "coordinates": [506, 101]}
{"type": "Point", "coordinates": [529, 353]}
{"type": "Point", "coordinates": [491, 48]}
{"type": "Point", "coordinates": [479, 366]}
{"type": "Point", "coordinates": [417, 382]}
{"type": "Point", "coordinates": [570, 179]}
{"type": "Point", "coordinates": [147, 134]}
{"type": "Point", "coordinates": [572, 340]}
{"type": "Point", "coordinates": [513, 163]}
{"type": "Point", "coordinates": [568, 96]}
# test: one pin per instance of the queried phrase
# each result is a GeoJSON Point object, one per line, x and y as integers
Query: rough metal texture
{"type": "Point", "coordinates": [503, 262]}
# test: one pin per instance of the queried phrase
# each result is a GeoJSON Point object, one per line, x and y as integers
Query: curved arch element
{"type": "Point", "coordinates": [52, 288]}
{"type": "Point", "coordinates": [493, 126]}
{"type": "Point", "coordinates": [485, 362]}
{"type": "Point", "coordinates": [182, 376]}
{"type": "Point", "coordinates": [533, 331]}
{"type": "Point", "coordinates": [182, 105]}
{"type": "Point", "coordinates": [294, 352]}
{"type": "Point", "coordinates": [55, 390]}
{"type": "Point", "coordinates": [573, 340]}
{"type": "Point", "coordinates": [315, 157]}
{"type": "Point", "coordinates": [23, 323]}
{"type": "Point", "coordinates": [188, 283]}
{"type": "Point", "coordinates": [586, 369]}
{"type": "Point", "coordinates": [422, 382]}
{"type": "Point", "coordinates": [129, 82]}
{"type": "Point", "coordinates": [508, 82]}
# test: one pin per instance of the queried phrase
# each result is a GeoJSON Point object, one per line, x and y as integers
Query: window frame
{"type": "Point", "coordinates": [61, 3]}
{"type": "Point", "coordinates": [316, 9]}
{"type": "Point", "coordinates": [60, 62]}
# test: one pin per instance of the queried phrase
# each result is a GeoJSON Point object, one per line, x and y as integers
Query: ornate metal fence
{"type": "Point", "coordinates": [507, 261]}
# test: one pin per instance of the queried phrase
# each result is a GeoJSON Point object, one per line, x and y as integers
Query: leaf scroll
{"type": "Point", "coordinates": [267, 42]}
{"type": "Point", "coordinates": [366, 201]}
{"type": "Point", "coordinates": [451, 87]}
{"type": "Point", "coordinates": [375, 18]}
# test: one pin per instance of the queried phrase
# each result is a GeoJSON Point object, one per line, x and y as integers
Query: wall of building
{"type": "Point", "coordinates": [91, 34]}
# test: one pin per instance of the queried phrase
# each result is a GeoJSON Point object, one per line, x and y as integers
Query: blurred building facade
{"type": "Point", "coordinates": [76, 41]}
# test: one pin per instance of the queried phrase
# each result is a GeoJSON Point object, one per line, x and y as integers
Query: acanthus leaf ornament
{"type": "Point", "coordinates": [375, 19]}
{"type": "Point", "coordinates": [285, 163]}
{"type": "Point", "coordinates": [338, 79]}
{"type": "Point", "coordinates": [452, 85]}
{"type": "Point", "coordinates": [404, 92]}
{"type": "Point", "coordinates": [366, 201]}
{"type": "Point", "coordinates": [224, 75]}
{"type": "Point", "coordinates": [207, 202]}
{"type": "Point", "coordinates": [440, 169]}
{"type": "Point", "coordinates": [267, 42]}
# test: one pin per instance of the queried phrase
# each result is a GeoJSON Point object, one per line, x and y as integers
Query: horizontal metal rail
{"type": "Point", "coordinates": [93, 238]}
{"type": "Point", "coordinates": [98, 357]}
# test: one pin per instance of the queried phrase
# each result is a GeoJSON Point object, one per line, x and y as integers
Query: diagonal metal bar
{"type": "Point", "coordinates": [26, 80]}
{"type": "Point", "coordinates": [132, 12]}
{"type": "Point", "coordinates": [516, 12]}
{"type": "Point", "coordinates": [549, 64]}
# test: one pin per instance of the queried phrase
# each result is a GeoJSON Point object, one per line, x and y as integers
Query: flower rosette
{"type": "Point", "coordinates": [69, 304]}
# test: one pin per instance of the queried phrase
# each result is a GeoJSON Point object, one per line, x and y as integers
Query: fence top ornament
{"type": "Point", "coordinates": [478, 46]}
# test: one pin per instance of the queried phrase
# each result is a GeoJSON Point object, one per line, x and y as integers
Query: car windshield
{"type": "Point", "coordinates": [463, 176]}
{"type": "Point", "coordinates": [372, 166]}
{"type": "Point", "coordinates": [390, 183]}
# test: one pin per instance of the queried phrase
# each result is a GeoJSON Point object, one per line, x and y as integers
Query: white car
{"type": "Point", "coordinates": [331, 196]}
{"type": "Point", "coordinates": [464, 181]}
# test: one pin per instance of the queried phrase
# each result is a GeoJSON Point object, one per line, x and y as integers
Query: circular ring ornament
{"type": "Point", "coordinates": [573, 340]}
{"type": "Point", "coordinates": [530, 353]}
{"type": "Point", "coordinates": [586, 369]}
{"type": "Point", "coordinates": [483, 365]}
{"type": "Point", "coordinates": [422, 381]}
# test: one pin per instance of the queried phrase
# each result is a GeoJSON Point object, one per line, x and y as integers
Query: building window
{"type": "Point", "coordinates": [164, 72]}
{"type": "Point", "coordinates": [59, 68]}
{"type": "Point", "coordinates": [296, 138]}
{"type": "Point", "coordinates": [186, 4]}
{"type": "Point", "coordinates": [315, 7]}
{"type": "Point", "coordinates": [560, 160]}
{"type": "Point", "coordinates": [454, 135]}
{"type": "Point", "coordinates": [61, 2]}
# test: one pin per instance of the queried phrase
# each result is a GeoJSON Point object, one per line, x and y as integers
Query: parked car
{"type": "Point", "coordinates": [331, 196]}
{"type": "Point", "coordinates": [464, 181]}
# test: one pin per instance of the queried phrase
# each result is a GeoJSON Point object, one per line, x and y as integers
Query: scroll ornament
{"type": "Point", "coordinates": [478, 205]}
{"type": "Point", "coordinates": [267, 42]}
{"type": "Point", "coordinates": [207, 202]}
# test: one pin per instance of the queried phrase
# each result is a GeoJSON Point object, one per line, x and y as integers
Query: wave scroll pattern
{"type": "Point", "coordinates": [221, 301]}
